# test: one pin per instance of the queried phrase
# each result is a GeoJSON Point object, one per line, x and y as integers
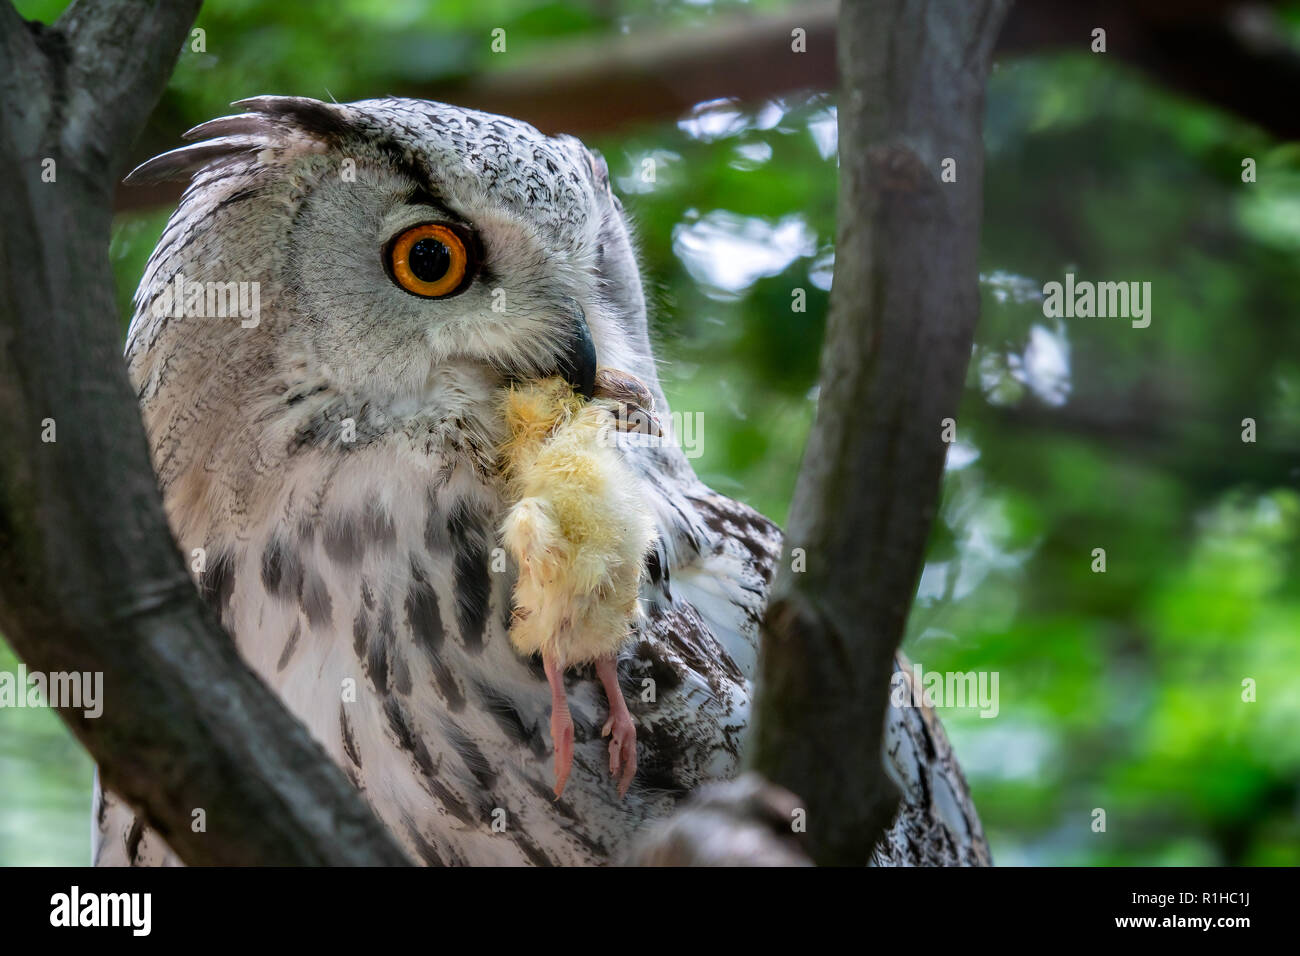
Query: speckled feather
{"type": "Point", "coordinates": [358, 577]}
{"type": "Point", "coordinates": [370, 563]}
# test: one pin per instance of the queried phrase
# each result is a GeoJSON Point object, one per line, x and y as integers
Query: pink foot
{"type": "Point", "coordinates": [622, 748]}
{"type": "Point", "coordinates": [561, 725]}
{"type": "Point", "coordinates": [619, 728]}
{"type": "Point", "coordinates": [562, 735]}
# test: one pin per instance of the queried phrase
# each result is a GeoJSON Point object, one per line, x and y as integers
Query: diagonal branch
{"type": "Point", "coordinates": [656, 75]}
{"type": "Point", "coordinates": [120, 56]}
{"type": "Point", "coordinates": [90, 579]}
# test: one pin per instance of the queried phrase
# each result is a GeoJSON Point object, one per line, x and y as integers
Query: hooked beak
{"type": "Point", "coordinates": [577, 364]}
{"type": "Point", "coordinates": [634, 404]}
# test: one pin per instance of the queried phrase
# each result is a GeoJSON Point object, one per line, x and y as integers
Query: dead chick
{"type": "Point", "coordinates": [579, 529]}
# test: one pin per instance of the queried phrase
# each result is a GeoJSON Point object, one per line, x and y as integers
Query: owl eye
{"type": "Point", "coordinates": [430, 260]}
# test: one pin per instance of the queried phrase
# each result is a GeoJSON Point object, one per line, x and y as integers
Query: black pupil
{"type": "Point", "coordinates": [429, 260]}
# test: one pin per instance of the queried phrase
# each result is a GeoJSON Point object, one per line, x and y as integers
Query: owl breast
{"type": "Point", "coordinates": [331, 470]}
{"type": "Point", "coordinates": [355, 559]}
{"type": "Point", "coordinates": [378, 607]}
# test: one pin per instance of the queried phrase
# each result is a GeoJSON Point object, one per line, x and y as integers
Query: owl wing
{"type": "Point", "coordinates": [937, 824]}
{"type": "Point", "coordinates": [708, 586]}
{"type": "Point", "coordinates": [733, 554]}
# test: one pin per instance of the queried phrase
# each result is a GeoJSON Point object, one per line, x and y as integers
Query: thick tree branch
{"type": "Point", "coordinates": [120, 56]}
{"type": "Point", "coordinates": [1201, 445]}
{"type": "Point", "coordinates": [742, 822]}
{"type": "Point", "coordinates": [90, 579]}
{"type": "Point", "coordinates": [902, 316]}
{"type": "Point", "coordinates": [656, 75]}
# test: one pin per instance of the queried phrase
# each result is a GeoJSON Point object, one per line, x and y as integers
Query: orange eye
{"type": "Point", "coordinates": [429, 260]}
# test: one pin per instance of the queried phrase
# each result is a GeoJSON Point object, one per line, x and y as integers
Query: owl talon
{"type": "Point", "coordinates": [634, 418]}
{"type": "Point", "coordinates": [635, 404]}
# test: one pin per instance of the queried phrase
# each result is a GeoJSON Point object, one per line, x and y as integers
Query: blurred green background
{"type": "Point", "coordinates": [1119, 690]}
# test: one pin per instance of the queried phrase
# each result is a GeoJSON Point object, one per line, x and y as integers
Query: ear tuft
{"type": "Point", "coordinates": [269, 121]}
{"type": "Point", "coordinates": [184, 162]}
{"type": "Point", "coordinates": [321, 120]}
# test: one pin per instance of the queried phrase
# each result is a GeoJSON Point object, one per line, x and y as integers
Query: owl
{"type": "Point", "coordinates": [320, 343]}
{"type": "Point", "coordinates": [331, 461]}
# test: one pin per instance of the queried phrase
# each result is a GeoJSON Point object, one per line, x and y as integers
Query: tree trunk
{"type": "Point", "coordinates": [187, 726]}
{"type": "Point", "coordinates": [902, 317]}
{"type": "Point", "coordinates": [90, 579]}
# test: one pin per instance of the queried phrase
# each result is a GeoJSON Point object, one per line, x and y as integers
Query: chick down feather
{"type": "Point", "coordinates": [578, 526]}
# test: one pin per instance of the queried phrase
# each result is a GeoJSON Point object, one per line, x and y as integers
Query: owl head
{"type": "Point", "coordinates": [388, 241]}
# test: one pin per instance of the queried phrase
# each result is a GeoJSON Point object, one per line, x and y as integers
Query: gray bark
{"type": "Point", "coordinates": [902, 317]}
{"type": "Point", "coordinates": [188, 726]}
{"type": "Point", "coordinates": [90, 579]}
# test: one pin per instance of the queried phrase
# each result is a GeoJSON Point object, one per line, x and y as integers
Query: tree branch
{"type": "Point", "coordinates": [742, 822]}
{"type": "Point", "coordinates": [660, 74]}
{"type": "Point", "coordinates": [90, 579]}
{"type": "Point", "coordinates": [1202, 445]}
{"type": "Point", "coordinates": [902, 317]}
{"type": "Point", "coordinates": [121, 54]}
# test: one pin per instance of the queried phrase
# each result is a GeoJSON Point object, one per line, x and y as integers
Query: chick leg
{"type": "Point", "coordinates": [619, 728]}
{"type": "Point", "coordinates": [561, 723]}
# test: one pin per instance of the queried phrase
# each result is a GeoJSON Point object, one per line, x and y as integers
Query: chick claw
{"type": "Point", "coordinates": [619, 728]}
{"type": "Point", "coordinates": [622, 748]}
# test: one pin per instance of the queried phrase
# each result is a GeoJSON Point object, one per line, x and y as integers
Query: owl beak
{"type": "Point", "coordinates": [633, 401]}
{"type": "Point", "coordinates": [577, 363]}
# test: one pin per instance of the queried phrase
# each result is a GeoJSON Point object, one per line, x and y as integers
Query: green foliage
{"type": "Point", "coordinates": [1119, 690]}
{"type": "Point", "coordinates": [1126, 687]}
{"type": "Point", "coordinates": [45, 781]}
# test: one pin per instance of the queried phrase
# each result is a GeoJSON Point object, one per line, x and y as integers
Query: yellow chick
{"type": "Point", "coordinates": [579, 528]}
